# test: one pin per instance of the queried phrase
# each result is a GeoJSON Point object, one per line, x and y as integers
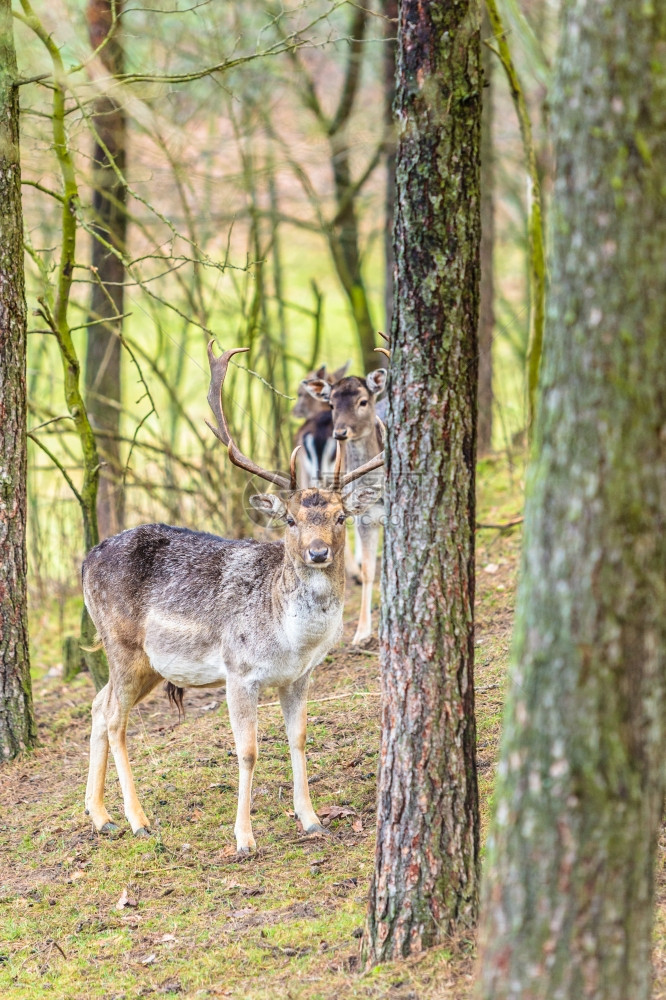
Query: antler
{"type": "Point", "coordinates": [218, 370]}
{"type": "Point", "coordinates": [383, 350]}
{"type": "Point", "coordinates": [373, 463]}
{"type": "Point", "coordinates": [292, 466]}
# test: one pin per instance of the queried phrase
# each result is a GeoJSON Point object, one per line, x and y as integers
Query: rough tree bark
{"type": "Point", "coordinates": [426, 864]}
{"type": "Point", "coordinates": [17, 723]}
{"type": "Point", "coordinates": [103, 356]}
{"type": "Point", "coordinates": [486, 303]}
{"type": "Point", "coordinates": [390, 12]}
{"type": "Point", "coordinates": [570, 887]}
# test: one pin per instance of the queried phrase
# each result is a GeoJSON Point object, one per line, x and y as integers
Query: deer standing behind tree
{"type": "Point", "coordinates": [198, 611]}
{"type": "Point", "coordinates": [315, 461]}
{"type": "Point", "coordinates": [352, 402]}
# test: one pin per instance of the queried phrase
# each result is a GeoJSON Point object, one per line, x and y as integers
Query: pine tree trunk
{"type": "Point", "coordinates": [103, 357]}
{"type": "Point", "coordinates": [570, 889]}
{"type": "Point", "coordinates": [17, 723]}
{"type": "Point", "coordinates": [426, 866]}
{"type": "Point", "coordinates": [486, 304]}
{"type": "Point", "coordinates": [390, 12]}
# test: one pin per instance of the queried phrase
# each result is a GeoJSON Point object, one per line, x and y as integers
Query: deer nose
{"type": "Point", "coordinates": [340, 433]}
{"type": "Point", "coordinates": [318, 552]}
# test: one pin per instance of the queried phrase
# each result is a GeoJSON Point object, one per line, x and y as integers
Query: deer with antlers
{"type": "Point", "coordinates": [353, 404]}
{"type": "Point", "coordinates": [197, 610]}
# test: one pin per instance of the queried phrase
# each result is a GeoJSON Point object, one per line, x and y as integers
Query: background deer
{"type": "Point", "coordinates": [315, 461]}
{"type": "Point", "coordinates": [198, 611]}
{"type": "Point", "coordinates": [352, 402]}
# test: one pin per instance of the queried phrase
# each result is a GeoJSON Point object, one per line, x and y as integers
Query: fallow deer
{"type": "Point", "coordinates": [316, 459]}
{"type": "Point", "coordinates": [355, 421]}
{"type": "Point", "coordinates": [196, 610]}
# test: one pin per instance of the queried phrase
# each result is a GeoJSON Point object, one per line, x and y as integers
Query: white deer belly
{"type": "Point", "coordinates": [178, 657]}
{"type": "Point", "coordinates": [183, 672]}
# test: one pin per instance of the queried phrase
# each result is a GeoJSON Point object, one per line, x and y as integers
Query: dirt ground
{"type": "Point", "coordinates": [179, 913]}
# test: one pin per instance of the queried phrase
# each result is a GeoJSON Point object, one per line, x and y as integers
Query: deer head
{"type": "Point", "coordinates": [315, 521]}
{"type": "Point", "coordinates": [352, 401]}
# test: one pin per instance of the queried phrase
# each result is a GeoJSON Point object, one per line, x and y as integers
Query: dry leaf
{"type": "Point", "coordinates": [357, 825]}
{"type": "Point", "coordinates": [228, 851]}
{"type": "Point", "coordinates": [336, 812]}
{"type": "Point", "coordinates": [195, 815]}
{"type": "Point", "coordinates": [125, 900]}
{"type": "Point", "coordinates": [148, 960]}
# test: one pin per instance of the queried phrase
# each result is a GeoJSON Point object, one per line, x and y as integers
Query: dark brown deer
{"type": "Point", "coordinates": [355, 421]}
{"type": "Point", "coordinates": [196, 610]}
{"type": "Point", "coordinates": [315, 461]}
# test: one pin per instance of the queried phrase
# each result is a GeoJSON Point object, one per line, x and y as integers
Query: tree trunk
{"type": "Point", "coordinates": [486, 304]}
{"type": "Point", "coordinates": [390, 11]}
{"type": "Point", "coordinates": [570, 888]}
{"type": "Point", "coordinates": [17, 723]}
{"type": "Point", "coordinates": [103, 357]}
{"type": "Point", "coordinates": [426, 866]}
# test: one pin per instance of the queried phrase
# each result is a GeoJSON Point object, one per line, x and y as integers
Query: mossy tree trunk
{"type": "Point", "coordinates": [103, 356]}
{"type": "Point", "coordinates": [17, 723]}
{"type": "Point", "coordinates": [487, 299]}
{"type": "Point", "coordinates": [390, 12]}
{"type": "Point", "coordinates": [569, 894]}
{"type": "Point", "coordinates": [426, 865]}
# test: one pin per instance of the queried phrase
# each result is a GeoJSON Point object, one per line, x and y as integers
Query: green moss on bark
{"type": "Point", "coordinates": [570, 889]}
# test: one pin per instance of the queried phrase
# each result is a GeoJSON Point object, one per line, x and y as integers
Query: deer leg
{"type": "Point", "coordinates": [293, 700]}
{"type": "Point", "coordinates": [243, 717]}
{"type": "Point", "coordinates": [99, 755]}
{"type": "Point", "coordinates": [369, 534]}
{"type": "Point", "coordinates": [139, 679]}
{"type": "Point", "coordinates": [351, 564]}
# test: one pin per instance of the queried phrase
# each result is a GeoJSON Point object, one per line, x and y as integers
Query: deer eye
{"type": "Point", "coordinates": [291, 522]}
{"type": "Point", "coordinates": [342, 518]}
{"type": "Point", "coordinates": [363, 402]}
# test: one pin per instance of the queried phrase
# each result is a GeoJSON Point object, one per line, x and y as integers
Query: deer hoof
{"type": "Point", "coordinates": [143, 831]}
{"type": "Point", "coordinates": [317, 828]}
{"type": "Point", "coordinates": [109, 829]}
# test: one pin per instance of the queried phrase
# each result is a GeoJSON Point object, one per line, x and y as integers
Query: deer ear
{"type": "Point", "coordinates": [339, 373]}
{"type": "Point", "coordinates": [376, 381]}
{"type": "Point", "coordinates": [356, 502]}
{"type": "Point", "coordinates": [318, 388]}
{"type": "Point", "coordinates": [270, 504]}
{"type": "Point", "coordinates": [321, 372]}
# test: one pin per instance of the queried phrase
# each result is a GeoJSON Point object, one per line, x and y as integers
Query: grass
{"type": "Point", "coordinates": [200, 921]}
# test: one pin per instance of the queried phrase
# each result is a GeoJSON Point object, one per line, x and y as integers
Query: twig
{"type": "Point", "coordinates": [500, 527]}
{"type": "Point", "coordinates": [33, 437]}
{"type": "Point", "coordinates": [54, 942]}
{"type": "Point", "coordinates": [331, 697]}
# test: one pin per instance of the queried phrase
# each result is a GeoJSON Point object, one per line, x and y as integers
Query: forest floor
{"type": "Point", "coordinates": [179, 913]}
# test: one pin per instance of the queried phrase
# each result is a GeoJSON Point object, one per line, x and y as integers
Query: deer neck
{"type": "Point", "coordinates": [361, 450]}
{"type": "Point", "coordinates": [298, 583]}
